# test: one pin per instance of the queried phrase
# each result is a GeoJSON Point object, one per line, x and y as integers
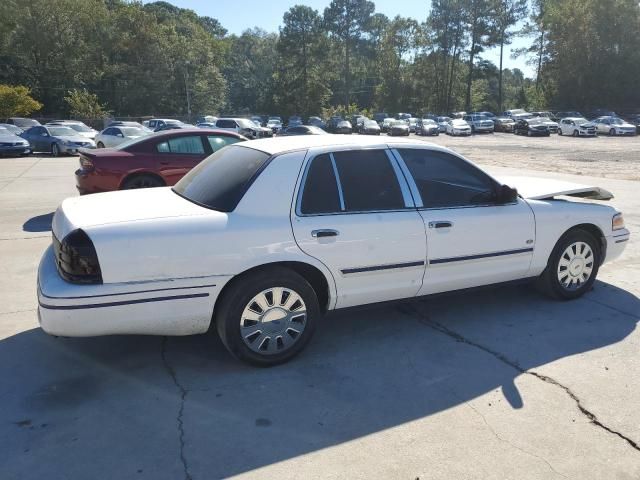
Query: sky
{"type": "Point", "coordinates": [238, 15]}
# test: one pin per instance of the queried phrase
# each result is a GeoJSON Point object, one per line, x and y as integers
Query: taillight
{"type": "Point", "coordinates": [76, 258]}
{"type": "Point", "coordinates": [86, 163]}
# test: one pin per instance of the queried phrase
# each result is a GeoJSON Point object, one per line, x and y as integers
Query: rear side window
{"type": "Point", "coordinates": [368, 181]}
{"type": "Point", "coordinates": [183, 145]}
{"type": "Point", "coordinates": [320, 194]}
{"type": "Point", "coordinates": [220, 181]}
{"type": "Point", "coordinates": [445, 180]}
{"type": "Point", "coordinates": [226, 124]}
{"type": "Point", "coordinates": [217, 142]}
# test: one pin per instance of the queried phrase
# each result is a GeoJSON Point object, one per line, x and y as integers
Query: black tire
{"type": "Point", "coordinates": [612, 132]}
{"type": "Point", "coordinates": [548, 282]}
{"type": "Point", "coordinates": [55, 150]}
{"type": "Point", "coordinates": [576, 133]}
{"type": "Point", "coordinates": [229, 312]}
{"type": "Point", "coordinates": [560, 131]}
{"type": "Point", "coordinates": [100, 145]}
{"type": "Point", "coordinates": [142, 181]}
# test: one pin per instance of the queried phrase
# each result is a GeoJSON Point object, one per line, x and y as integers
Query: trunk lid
{"type": "Point", "coordinates": [122, 207]}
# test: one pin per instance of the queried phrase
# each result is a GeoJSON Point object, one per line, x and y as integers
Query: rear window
{"type": "Point", "coordinates": [220, 181]}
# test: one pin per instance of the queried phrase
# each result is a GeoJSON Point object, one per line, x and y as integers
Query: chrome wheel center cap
{"type": "Point", "coordinates": [273, 318]}
{"type": "Point", "coordinates": [576, 266]}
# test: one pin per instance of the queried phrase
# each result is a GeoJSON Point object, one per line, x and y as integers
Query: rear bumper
{"type": "Point", "coordinates": [92, 182]}
{"type": "Point", "coordinates": [166, 307]}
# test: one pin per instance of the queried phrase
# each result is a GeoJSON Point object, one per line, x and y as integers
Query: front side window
{"type": "Point", "coordinates": [446, 181]}
{"type": "Point", "coordinates": [221, 180]}
{"type": "Point", "coordinates": [368, 181]}
{"type": "Point", "coordinates": [182, 145]}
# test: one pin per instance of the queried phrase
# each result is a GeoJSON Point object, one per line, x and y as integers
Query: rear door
{"type": "Point", "coordinates": [175, 156]}
{"type": "Point", "coordinates": [472, 238]}
{"type": "Point", "coordinates": [355, 214]}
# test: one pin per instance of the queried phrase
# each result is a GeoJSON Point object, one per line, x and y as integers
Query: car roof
{"type": "Point", "coordinates": [279, 145]}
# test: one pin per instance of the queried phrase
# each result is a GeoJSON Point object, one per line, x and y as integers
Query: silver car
{"type": "Point", "coordinates": [11, 144]}
{"type": "Point", "coordinates": [82, 129]}
{"type": "Point", "coordinates": [613, 126]}
{"type": "Point", "coordinates": [56, 140]}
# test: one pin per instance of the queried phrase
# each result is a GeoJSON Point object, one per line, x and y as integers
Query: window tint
{"type": "Point", "coordinates": [220, 181]}
{"type": "Point", "coordinates": [445, 180]}
{"type": "Point", "coordinates": [108, 131]}
{"type": "Point", "coordinates": [320, 194]}
{"type": "Point", "coordinates": [183, 145]}
{"type": "Point", "coordinates": [217, 142]}
{"type": "Point", "coordinates": [226, 124]}
{"type": "Point", "coordinates": [368, 181]}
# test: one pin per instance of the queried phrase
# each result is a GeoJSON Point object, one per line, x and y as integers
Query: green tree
{"type": "Point", "coordinates": [347, 21]}
{"type": "Point", "coordinates": [17, 101]}
{"type": "Point", "coordinates": [301, 80]}
{"type": "Point", "coordinates": [84, 104]}
{"type": "Point", "coordinates": [508, 14]}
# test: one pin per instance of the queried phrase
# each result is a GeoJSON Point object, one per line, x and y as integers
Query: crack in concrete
{"type": "Point", "coordinates": [504, 440]}
{"type": "Point", "coordinates": [183, 396]}
{"type": "Point", "coordinates": [428, 322]}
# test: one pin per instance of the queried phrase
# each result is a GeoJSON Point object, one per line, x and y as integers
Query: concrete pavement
{"type": "Point", "coordinates": [497, 384]}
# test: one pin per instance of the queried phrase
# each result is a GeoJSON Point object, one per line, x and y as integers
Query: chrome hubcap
{"type": "Point", "coordinates": [273, 320]}
{"type": "Point", "coordinates": [575, 266]}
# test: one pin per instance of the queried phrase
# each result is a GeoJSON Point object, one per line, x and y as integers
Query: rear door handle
{"type": "Point", "coordinates": [328, 232]}
{"type": "Point", "coordinates": [441, 224]}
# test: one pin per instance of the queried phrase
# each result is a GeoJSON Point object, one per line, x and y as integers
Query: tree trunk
{"type": "Point", "coordinates": [540, 53]}
{"type": "Point", "coordinates": [347, 74]}
{"type": "Point", "coordinates": [467, 101]}
{"type": "Point", "coordinates": [454, 60]}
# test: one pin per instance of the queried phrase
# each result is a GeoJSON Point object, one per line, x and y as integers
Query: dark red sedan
{"type": "Point", "coordinates": [157, 160]}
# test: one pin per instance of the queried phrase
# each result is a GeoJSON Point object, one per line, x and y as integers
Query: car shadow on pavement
{"type": "Point", "coordinates": [148, 407]}
{"type": "Point", "coordinates": [39, 223]}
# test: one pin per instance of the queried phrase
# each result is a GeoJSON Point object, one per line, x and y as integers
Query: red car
{"type": "Point", "coordinates": [157, 160]}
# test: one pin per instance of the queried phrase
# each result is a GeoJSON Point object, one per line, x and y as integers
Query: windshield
{"type": "Point", "coordinates": [244, 123]}
{"type": "Point", "coordinates": [220, 181]}
{"type": "Point", "coordinates": [443, 119]}
{"type": "Point", "coordinates": [428, 122]}
{"type": "Point", "coordinates": [79, 128]}
{"type": "Point", "coordinates": [12, 128]}
{"type": "Point", "coordinates": [370, 123]}
{"type": "Point", "coordinates": [61, 132]}
{"type": "Point", "coordinates": [581, 120]}
{"type": "Point", "coordinates": [273, 122]}
{"type": "Point", "coordinates": [399, 123]}
{"type": "Point", "coordinates": [316, 130]}
{"type": "Point", "coordinates": [616, 121]}
{"type": "Point", "coordinates": [132, 131]}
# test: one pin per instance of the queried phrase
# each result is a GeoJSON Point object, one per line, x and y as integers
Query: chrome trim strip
{"type": "Point", "coordinates": [413, 188]}
{"type": "Point", "coordinates": [374, 268]}
{"type": "Point", "coordinates": [402, 180]}
{"type": "Point", "coordinates": [481, 255]}
{"type": "Point", "coordinates": [118, 304]}
{"type": "Point", "coordinates": [335, 172]}
{"type": "Point", "coordinates": [622, 241]}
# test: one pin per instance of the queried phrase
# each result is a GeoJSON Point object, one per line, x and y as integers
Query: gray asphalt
{"type": "Point", "coordinates": [500, 383]}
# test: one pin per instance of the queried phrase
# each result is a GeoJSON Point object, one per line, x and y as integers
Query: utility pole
{"type": "Point", "coordinates": [186, 87]}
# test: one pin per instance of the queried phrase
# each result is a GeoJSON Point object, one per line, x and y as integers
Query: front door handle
{"type": "Point", "coordinates": [327, 232]}
{"type": "Point", "coordinates": [441, 224]}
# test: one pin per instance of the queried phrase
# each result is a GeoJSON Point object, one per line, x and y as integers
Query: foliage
{"type": "Point", "coordinates": [158, 59]}
{"type": "Point", "coordinates": [16, 101]}
{"type": "Point", "coordinates": [83, 104]}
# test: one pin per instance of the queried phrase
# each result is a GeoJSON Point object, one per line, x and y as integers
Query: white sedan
{"type": "Point", "coordinates": [457, 126]}
{"type": "Point", "coordinates": [113, 136]}
{"type": "Point", "coordinates": [613, 126]}
{"type": "Point", "coordinates": [263, 237]}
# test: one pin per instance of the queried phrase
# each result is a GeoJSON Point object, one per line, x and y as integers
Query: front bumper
{"type": "Point", "coordinates": [164, 307]}
{"type": "Point", "coordinates": [73, 149]}
{"type": "Point", "coordinates": [616, 243]}
{"type": "Point", "coordinates": [15, 150]}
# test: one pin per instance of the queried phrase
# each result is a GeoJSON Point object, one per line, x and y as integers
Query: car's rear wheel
{"type": "Point", "coordinates": [100, 145]}
{"type": "Point", "coordinates": [55, 150]}
{"type": "Point", "coordinates": [268, 317]}
{"type": "Point", "coordinates": [142, 181]}
{"type": "Point", "coordinates": [572, 267]}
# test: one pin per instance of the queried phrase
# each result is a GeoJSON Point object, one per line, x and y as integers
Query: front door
{"type": "Point", "coordinates": [355, 214]}
{"type": "Point", "coordinates": [472, 238]}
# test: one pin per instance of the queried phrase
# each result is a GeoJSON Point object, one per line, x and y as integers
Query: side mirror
{"type": "Point", "coordinates": [507, 195]}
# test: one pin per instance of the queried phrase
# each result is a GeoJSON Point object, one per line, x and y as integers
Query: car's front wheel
{"type": "Point", "coordinates": [572, 266]}
{"type": "Point", "coordinates": [612, 132]}
{"type": "Point", "coordinates": [100, 145]}
{"type": "Point", "coordinates": [268, 317]}
{"type": "Point", "coordinates": [55, 150]}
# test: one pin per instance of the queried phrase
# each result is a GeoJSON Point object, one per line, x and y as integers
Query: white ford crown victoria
{"type": "Point", "coordinates": [263, 237]}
